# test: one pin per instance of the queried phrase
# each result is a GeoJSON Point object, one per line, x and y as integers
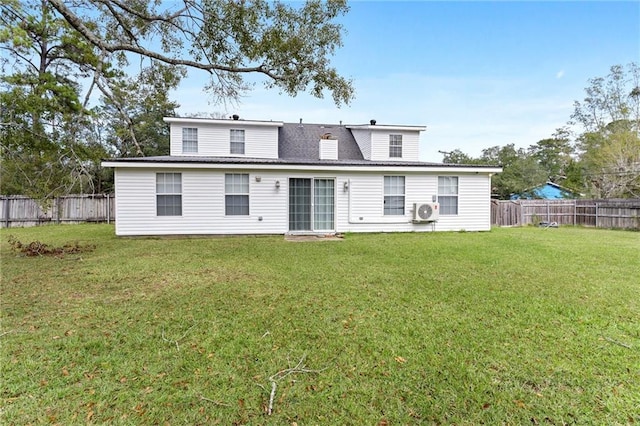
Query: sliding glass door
{"type": "Point", "coordinates": [311, 204]}
{"type": "Point", "coordinates": [323, 204]}
{"type": "Point", "coordinates": [299, 204]}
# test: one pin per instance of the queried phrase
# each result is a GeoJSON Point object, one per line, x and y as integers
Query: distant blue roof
{"type": "Point", "coordinates": [548, 191]}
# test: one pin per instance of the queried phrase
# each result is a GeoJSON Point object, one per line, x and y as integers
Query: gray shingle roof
{"type": "Point", "coordinates": [299, 144]}
{"type": "Point", "coordinates": [302, 141]}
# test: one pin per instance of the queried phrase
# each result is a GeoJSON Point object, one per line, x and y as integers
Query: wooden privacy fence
{"type": "Point", "coordinates": [607, 213]}
{"type": "Point", "coordinates": [17, 210]}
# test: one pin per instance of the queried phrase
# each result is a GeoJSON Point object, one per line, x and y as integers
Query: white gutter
{"type": "Point", "coordinates": [384, 127]}
{"type": "Point", "coordinates": [299, 167]}
{"type": "Point", "coordinates": [225, 121]}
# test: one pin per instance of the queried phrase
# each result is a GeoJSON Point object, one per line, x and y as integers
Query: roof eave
{"type": "Point", "coordinates": [224, 121]}
{"type": "Point", "coordinates": [300, 165]}
{"type": "Point", "coordinates": [386, 127]}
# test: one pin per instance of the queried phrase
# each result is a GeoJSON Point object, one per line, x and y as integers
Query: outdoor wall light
{"type": "Point", "coordinates": [277, 184]}
{"type": "Point", "coordinates": [258, 178]}
{"type": "Point", "coordinates": [434, 198]}
{"type": "Point", "coordinates": [346, 185]}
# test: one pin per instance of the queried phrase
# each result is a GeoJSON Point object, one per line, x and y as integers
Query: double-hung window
{"type": "Point", "coordinates": [395, 146]}
{"type": "Point", "coordinates": [393, 195]}
{"type": "Point", "coordinates": [189, 140]}
{"type": "Point", "coordinates": [236, 193]}
{"type": "Point", "coordinates": [448, 195]}
{"type": "Point", "coordinates": [237, 141]}
{"type": "Point", "coordinates": [169, 194]}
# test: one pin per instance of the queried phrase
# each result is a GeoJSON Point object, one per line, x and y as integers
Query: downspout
{"type": "Point", "coordinates": [369, 222]}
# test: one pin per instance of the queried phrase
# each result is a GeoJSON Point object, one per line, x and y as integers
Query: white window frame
{"type": "Point", "coordinates": [189, 140]}
{"type": "Point", "coordinates": [448, 190]}
{"type": "Point", "coordinates": [237, 141]}
{"type": "Point", "coordinates": [393, 191]}
{"type": "Point", "coordinates": [235, 187]}
{"type": "Point", "coordinates": [168, 187]}
{"type": "Point", "coordinates": [395, 146]}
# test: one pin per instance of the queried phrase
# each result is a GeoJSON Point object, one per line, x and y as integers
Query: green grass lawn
{"type": "Point", "coordinates": [512, 326]}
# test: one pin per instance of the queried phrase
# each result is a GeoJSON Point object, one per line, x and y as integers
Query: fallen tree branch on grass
{"type": "Point", "coordinates": [175, 341]}
{"type": "Point", "coordinates": [299, 368]}
{"type": "Point", "coordinates": [36, 248]}
{"type": "Point", "coordinates": [222, 404]}
{"type": "Point", "coordinates": [11, 331]}
{"type": "Point", "coordinates": [610, 340]}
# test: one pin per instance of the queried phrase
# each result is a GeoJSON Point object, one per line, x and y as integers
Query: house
{"type": "Point", "coordinates": [236, 176]}
{"type": "Point", "coordinates": [548, 191]}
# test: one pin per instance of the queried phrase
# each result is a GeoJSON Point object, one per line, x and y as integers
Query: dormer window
{"type": "Point", "coordinates": [189, 140]}
{"type": "Point", "coordinates": [237, 141]}
{"type": "Point", "coordinates": [395, 146]}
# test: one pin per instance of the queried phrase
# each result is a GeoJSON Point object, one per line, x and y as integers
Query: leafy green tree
{"type": "Point", "coordinates": [611, 161]}
{"type": "Point", "coordinates": [521, 171]}
{"type": "Point", "coordinates": [133, 109]}
{"type": "Point", "coordinates": [610, 143]}
{"type": "Point", "coordinates": [52, 137]}
{"type": "Point", "coordinates": [458, 157]}
{"type": "Point", "coordinates": [287, 44]}
{"type": "Point", "coordinates": [611, 101]}
{"type": "Point", "coordinates": [42, 136]}
{"type": "Point", "coordinates": [554, 154]}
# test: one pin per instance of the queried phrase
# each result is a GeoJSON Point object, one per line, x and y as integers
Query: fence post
{"type": "Point", "coordinates": [108, 209]}
{"type": "Point", "coordinates": [7, 211]}
{"type": "Point", "coordinates": [548, 216]}
{"type": "Point", "coordinates": [56, 210]}
{"type": "Point", "coordinates": [596, 214]}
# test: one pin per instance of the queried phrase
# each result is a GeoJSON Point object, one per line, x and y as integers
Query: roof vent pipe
{"type": "Point", "coordinates": [373, 122]}
{"type": "Point", "coordinates": [235, 116]}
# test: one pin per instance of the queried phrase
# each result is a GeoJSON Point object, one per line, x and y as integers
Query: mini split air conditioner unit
{"type": "Point", "coordinates": [425, 212]}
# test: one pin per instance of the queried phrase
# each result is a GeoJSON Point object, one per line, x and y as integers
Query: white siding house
{"type": "Point", "coordinates": [258, 177]}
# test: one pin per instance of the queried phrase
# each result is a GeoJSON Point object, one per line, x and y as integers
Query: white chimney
{"type": "Point", "coordinates": [328, 147]}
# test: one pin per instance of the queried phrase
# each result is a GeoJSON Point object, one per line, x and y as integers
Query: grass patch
{"type": "Point", "coordinates": [513, 326]}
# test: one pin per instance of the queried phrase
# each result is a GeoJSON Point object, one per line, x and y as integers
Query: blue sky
{"type": "Point", "coordinates": [477, 74]}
